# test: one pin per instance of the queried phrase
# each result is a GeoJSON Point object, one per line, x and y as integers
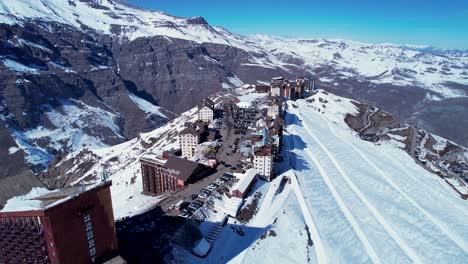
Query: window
{"type": "Point", "coordinates": [90, 236]}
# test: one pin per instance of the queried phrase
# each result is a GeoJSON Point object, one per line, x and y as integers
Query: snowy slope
{"type": "Point", "coordinates": [371, 203]}
{"type": "Point", "coordinates": [69, 127]}
{"type": "Point", "coordinates": [122, 164]}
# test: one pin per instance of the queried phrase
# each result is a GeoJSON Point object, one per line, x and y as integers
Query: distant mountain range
{"type": "Point", "coordinates": [79, 74]}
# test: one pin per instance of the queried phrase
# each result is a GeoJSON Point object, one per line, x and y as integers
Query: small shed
{"type": "Point", "coordinates": [245, 182]}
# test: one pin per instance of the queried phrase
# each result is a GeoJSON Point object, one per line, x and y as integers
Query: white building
{"type": "Point", "coordinates": [276, 85]}
{"type": "Point", "coordinates": [188, 145]}
{"type": "Point", "coordinates": [206, 111]}
{"type": "Point", "coordinates": [189, 139]}
{"type": "Point", "coordinates": [263, 161]}
{"type": "Point", "coordinates": [205, 114]}
{"type": "Point", "coordinates": [275, 91]}
{"type": "Point", "coordinates": [263, 156]}
{"type": "Point", "coordinates": [275, 108]}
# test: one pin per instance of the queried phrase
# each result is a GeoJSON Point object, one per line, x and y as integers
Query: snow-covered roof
{"type": "Point", "coordinates": [244, 180]}
{"type": "Point", "coordinates": [155, 156]}
{"type": "Point", "coordinates": [42, 198]}
{"type": "Point", "coordinates": [244, 104]}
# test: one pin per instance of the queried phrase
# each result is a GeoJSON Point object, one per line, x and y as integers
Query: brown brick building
{"type": "Point", "coordinates": [165, 174]}
{"type": "Point", "coordinates": [70, 225]}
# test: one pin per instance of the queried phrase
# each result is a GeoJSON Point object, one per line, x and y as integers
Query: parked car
{"type": "Point", "coordinates": [184, 213]}
{"type": "Point", "coordinates": [195, 206]}
{"type": "Point", "coordinates": [204, 194]}
{"type": "Point", "coordinates": [219, 181]}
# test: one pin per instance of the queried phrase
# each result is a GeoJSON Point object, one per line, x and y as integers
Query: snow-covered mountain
{"type": "Point", "coordinates": [124, 63]}
{"type": "Point", "coordinates": [379, 63]}
{"type": "Point", "coordinates": [349, 200]}
{"type": "Point", "coordinates": [112, 17]}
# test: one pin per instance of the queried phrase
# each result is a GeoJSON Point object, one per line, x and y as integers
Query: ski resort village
{"type": "Point", "coordinates": [270, 173]}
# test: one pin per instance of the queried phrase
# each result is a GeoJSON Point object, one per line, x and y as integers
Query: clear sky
{"type": "Point", "coordinates": [440, 23]}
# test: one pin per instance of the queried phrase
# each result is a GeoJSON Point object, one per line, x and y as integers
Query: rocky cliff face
{"type": "Point", "coordinates": [61, 91]}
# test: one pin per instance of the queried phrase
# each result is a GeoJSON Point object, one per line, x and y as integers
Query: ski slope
{"type": "Point", "coordinates": [370, 203]}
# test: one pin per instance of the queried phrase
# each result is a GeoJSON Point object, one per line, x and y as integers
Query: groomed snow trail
{"type": "Point", "coordinates": [400, 209]}
{"type": "Point", "coordinates": [349, 217]}
{"type": "Point", "coordinates": [388, 228]}
{"type": "Point", "coordinates": [452, 235]}
{"type": "Point", "coordinates": [318, 244]}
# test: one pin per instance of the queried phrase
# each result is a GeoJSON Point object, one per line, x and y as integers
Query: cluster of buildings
{"type": "Point", "coordinates": [288, 89]}
{"type": "Point", "coordinates": [263, 146]}
{"type": "Point", "coordinates": [76, 224]}
{"type": "Point", "coordinates": [164, 172]}
{"type": "Point", "coordinates": [69, 225]}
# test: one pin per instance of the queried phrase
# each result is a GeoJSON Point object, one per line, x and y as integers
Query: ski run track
{"type": "Point", "coordinates": [368, 203]}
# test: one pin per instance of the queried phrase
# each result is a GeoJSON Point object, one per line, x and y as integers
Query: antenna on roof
{"type": "Point", "coordinates": [104, 175]}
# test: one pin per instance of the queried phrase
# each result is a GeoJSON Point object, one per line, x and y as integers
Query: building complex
{"type": "Point", "coordinates": [164, 172]}
{"type": "Point", "coordinates": [69, 225]}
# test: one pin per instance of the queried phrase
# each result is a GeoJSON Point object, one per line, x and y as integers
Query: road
{"type": "Point", "coordinates": [368, 120]}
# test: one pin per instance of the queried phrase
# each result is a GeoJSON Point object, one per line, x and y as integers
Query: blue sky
{"type": "Point", "coordinates": [437, 23]}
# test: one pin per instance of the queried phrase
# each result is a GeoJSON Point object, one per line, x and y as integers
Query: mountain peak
{"type": "Point", "coordinates": [198, 20]}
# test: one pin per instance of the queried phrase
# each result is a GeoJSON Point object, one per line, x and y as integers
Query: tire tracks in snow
{"type": "Point", "coordinates": [347, 213]}
{"type": "Point", "coordinates": [388, 228]}
{"type": "Point", "coordinates": [458, 241]}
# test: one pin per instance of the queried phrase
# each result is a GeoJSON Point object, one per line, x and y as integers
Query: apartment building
{"type": "Point", "coordinates": [263, 161]}
{"type": "Point", "coordinates": [206, 111]}
{"type": "Point", "coordinates": [190, 137]}
{"type": "Point", "coordinates": [161, 173]}
{"type": "Point", "coordinates": [277, 86]}
{"type": "Point", "coordinates": [69, 225]}
{"type": "Point", "coordinates": [263, 155]}
{"type": "Point", "coordinates": [275, 108]}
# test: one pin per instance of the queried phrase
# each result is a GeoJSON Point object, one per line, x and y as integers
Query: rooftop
{"type": "Point", "coordinates": [154, 156]}
{"type": "Point", "coordinates": [244, 180]}
{"type": "Point", "coordinates": [40, 199]}
{"type": "Point", "coordinates": [184, 166]}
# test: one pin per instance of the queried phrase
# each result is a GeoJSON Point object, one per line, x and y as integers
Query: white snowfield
{"type": "Point", "coordinates": [404, 65]}
{"type": "Point", "coordinates": [368, 202]}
